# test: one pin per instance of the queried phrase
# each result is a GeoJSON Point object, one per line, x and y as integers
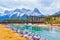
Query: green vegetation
{"type": "Point", "coordinates": [53, 19]}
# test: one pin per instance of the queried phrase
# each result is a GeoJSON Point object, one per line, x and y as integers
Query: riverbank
{"type": "Point", "coordinates": [49, 26]}
{"type": "Point", "coordinates": [37, 24]}
{"type": "Point", "coordinates": [7, 34]}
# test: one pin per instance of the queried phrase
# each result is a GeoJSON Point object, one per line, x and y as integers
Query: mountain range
{"type": "Point", "coordinates": [20, 13]}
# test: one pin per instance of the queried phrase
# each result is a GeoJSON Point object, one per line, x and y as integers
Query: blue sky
{"type": "Point", "coordinates": [47, 7]}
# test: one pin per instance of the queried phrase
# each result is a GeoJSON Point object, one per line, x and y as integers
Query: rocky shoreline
{"type": "Point", "coordinates": [26, 34]}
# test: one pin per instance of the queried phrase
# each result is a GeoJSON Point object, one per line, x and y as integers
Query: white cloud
{"type": "Point", "coordinates": [45, 6]}
{"type": "Point", "coordinates": [54, 7]}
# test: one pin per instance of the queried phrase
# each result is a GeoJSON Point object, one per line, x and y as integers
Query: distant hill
{"type": "Point", "coordinates": [56, 14]}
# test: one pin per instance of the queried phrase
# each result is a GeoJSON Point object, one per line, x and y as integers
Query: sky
{"type": "Point", "coordinates": [46, 7]}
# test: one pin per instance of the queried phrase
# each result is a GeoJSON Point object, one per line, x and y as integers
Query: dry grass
{"type": "Point", "coordinates": [7, 34]}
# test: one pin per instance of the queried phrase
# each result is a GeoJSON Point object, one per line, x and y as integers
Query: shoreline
{"type": "Point", "coordinates": [28, 35]}
{"type": "Point", "coordinates": [38, 24]}
{"type": "Point", "coordinates": [41, 25]}
{"type": "Point", "coordinates": [55, 28]}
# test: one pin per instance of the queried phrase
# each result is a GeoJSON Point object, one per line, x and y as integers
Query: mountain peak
{"type": "Point", "coordinates": [36, 10]}
{"type": "Point", "coordinates": [25, 9]}
{"type": "Point", "coordinates": [17, 10]}
{"type": "Point", "coordinates": [57, 12]}
{"type": "Point", "coordinates": [6, 11]}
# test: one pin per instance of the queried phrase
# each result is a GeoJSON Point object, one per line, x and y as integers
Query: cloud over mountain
{"type": "Point", "coordinates": [47, 7]}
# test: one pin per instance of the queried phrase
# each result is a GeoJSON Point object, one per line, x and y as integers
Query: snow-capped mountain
{"type": "Point", "coordinates": [36, 12]}
{"type": "Point", "coordinates": [57, 12]}
{"type": "Point", "coordinates": [20, 13]}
